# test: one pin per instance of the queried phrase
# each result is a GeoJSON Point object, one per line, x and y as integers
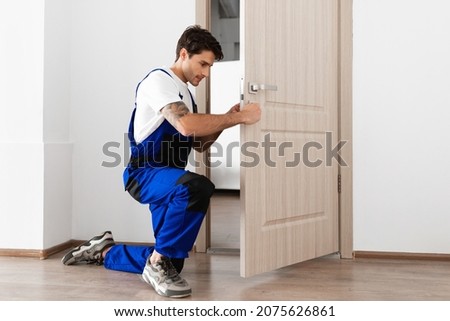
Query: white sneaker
{"type": "Point", "coordinates": [90, 251]}
{"type": "Point", "coordinates": [164, 278]}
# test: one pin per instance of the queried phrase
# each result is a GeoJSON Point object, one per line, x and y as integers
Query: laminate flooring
{"type": "Point", "coordinates": [215, 277]}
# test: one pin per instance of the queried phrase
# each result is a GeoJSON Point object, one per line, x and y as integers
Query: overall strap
{"type": "Point", "coordinates": [131, 124]}
{"type": "Point", "coordinates": [194, 105]}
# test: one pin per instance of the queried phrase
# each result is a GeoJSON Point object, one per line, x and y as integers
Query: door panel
{"type": "Point", "coordinates": [289, 197]}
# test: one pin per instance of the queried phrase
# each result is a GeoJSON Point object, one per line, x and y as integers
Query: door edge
{"type": "Point", "coordinates": [346, 128]}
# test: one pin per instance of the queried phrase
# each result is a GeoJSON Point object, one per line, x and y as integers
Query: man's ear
{"type": "Point", "coordinates": [184, 54]}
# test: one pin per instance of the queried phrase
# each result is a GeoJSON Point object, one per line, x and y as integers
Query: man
{"type": "Point", "coordinates": [164, 127]}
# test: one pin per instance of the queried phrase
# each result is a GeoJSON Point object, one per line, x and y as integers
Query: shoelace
{"type": "Point", "coordinates": [169, 270]}
{"type": "Point", "coordinates": [93, 259]}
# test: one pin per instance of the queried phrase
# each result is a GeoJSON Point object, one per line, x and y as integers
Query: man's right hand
{"type": "Point", "coordinates": [251, 113]}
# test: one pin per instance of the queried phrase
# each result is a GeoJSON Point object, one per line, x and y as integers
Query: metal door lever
{"type": "Point", "coordinates": [253, 87]}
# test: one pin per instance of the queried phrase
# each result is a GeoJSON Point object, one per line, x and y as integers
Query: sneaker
{"type": "Point", "coordinates": [164, 278]}
{"type": "Point", "coordinates": [90, 251]}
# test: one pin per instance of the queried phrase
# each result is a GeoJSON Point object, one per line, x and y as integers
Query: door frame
{"type": "Point", "coordinates": [345, 128]}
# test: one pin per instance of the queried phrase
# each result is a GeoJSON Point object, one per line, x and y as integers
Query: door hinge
{"type": "Point", "coordinates": [339, 183]}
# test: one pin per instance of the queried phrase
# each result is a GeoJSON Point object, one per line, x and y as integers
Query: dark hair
{"type": "Point", "coordinates": [195, 39]}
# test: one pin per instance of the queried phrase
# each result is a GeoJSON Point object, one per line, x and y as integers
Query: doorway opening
{"type": "Point", "coordinates": [225, 221]}
{"type": "Point", "coordinates": [225, 153]}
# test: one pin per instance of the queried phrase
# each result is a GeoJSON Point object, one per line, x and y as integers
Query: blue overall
{"type": "Point", "coordinates": [177, 199]}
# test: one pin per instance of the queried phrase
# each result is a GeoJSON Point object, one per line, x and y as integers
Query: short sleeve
{"type": "Point", "coordinates": [157, 90]}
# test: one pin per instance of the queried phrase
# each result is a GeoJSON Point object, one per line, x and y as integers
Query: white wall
{"type": "Point", "coordinates": [69, 71]}
{"type": "Point", "coordinates": [21, 123]}
{"type": "Point", "coordinates": [56, 130]}
{"type": "Point", "coordinates": [113, 45]}
{"type": "Point", "coordinates": [401, 114]}
{"type": "Point", "coordinates": [35, 207]}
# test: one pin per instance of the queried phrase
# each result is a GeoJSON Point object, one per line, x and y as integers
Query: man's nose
{"type": "Point", "coordinates": [205, 72]}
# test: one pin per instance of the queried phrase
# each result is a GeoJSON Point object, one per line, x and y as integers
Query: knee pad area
{"type": "Point", "coordinates": [200, 191]}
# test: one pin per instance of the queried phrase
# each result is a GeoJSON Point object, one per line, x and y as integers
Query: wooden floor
{"type": "Point", "coordinates": [215, 277]}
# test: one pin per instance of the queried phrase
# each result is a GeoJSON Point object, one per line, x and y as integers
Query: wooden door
{"type": "Point", "coordinates": [289, 184]}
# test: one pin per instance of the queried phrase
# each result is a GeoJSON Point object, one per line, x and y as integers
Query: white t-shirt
{"type": "Point", "coordinates": [155, 92]}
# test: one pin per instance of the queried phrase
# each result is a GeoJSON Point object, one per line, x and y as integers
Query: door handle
{"type": "Point", "coordinates": [253, 88]}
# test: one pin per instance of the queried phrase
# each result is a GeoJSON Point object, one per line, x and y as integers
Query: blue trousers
{"type": "Point", "coordinates": [178, 201]}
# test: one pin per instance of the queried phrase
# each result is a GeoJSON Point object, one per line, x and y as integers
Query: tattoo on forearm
{"type": "Point", "coordinates": [174, 111]}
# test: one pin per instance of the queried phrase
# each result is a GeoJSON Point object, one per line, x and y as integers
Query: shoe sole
{"type": "Point", "coordinates": [155, 287]}
{"type": "Point", "coordinates": [71, 256]}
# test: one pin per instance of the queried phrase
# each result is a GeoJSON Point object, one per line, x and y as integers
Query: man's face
{"type": "Point", "coordinates": [197, 66]}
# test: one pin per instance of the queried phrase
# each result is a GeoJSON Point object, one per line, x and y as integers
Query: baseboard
{"type": "Point", "coordinates": [38, 254]}
{"type": "Point", "coordinates": [401, 256]}
{"type": "Point", "coordinates": [226, 251]}
{"type": "Point", "coordinates": [44, 254]}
